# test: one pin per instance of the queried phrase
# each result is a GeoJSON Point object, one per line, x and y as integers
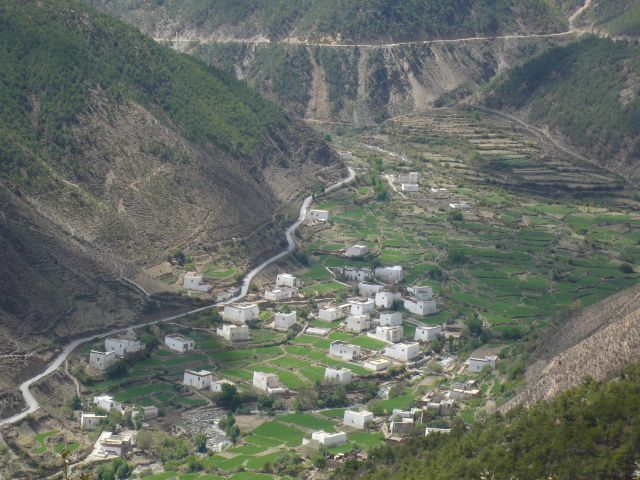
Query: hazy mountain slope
{"type": "Point", "coordinates": [589, 432]}
{"type": "Point", "coordinates": [375, 21]}
{"type": "Point", "coordinates": [586, 92]}
{"type": "Point", "coordinates": [114, 150]}
{"type": "Point", "coordinates": [611, 17]}
{"type": "Point", "coordinates": [595, 343]}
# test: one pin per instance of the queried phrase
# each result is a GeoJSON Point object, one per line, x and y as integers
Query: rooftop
{"type": "Point", "coordinates": [199, 373]}
{"type": "Point", "coordinates": [177, 336]}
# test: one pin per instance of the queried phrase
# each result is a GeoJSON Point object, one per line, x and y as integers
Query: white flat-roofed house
{"type": "Point", "coordinates": [345, 155]}
{"type": "Point", "coordinates": [178, 343]}
{"type": "Point", "coordinates": [345, 351]}
{"type": "Point", "coordinates": [318, 215]}
{"type": "Point", "coordinates": [363, 306]}
{"type": "Point", "coordinates": [376, 364]}
{"type": "Point", "coordinates": [288, 280]}
{"type": "Point", "coordinates": [430, 430]}
{"type": "Point", "coordinates": [193, 281]}
{"type": "Point", "coordinates": [318, 332]}
{"type": "Point", "coordinates": [410, 187]}
{"type": "Point", "coordinates": [420, 307]}
{"type": "Point", "coordinates": [355, 274]}
{"type": "Point", "coordinates": [358, 420]}
{"type": "Point", "coordinates": [102, 360]}
{"type": "Point", "coordinates": [340, 376]}
{"type": "Point", "coordinates": [460, 206]}
{"type": "Point", "coordinates": [369, 289]}
{"type": "Point", "coordinates": [216, 385]}
{"type": "Point", "coordinates": [389, 274]}
{"type": "Point", "coordinates": [386, 299]}
{"type": "Point", "coordinates": [122, 346]}
{"type": "Point", "coordinates": [149, 412]}
{"type": "Point", "coordinates": [358, 323]}
{"type": "Point", "coordinates": [114, 444]}
{"type": "Point", "coordinates": [402, 426]}
{"type": "Point", "coordinates": [267, 382]}
{"type": "Point", "coordinates": [428, 333]}
{"type": "Point", "coordinates": [404, 352]}
{"type": "Point", "coordinates": [89, 421]}
{"type": "Point", "coordinates": [409, 177]}
{"type": "Point", "coordinates": [284, 321]}
{"type": "Point", "coordinates": [197, 379]}
{"type": "Point", "coordinates": [233, 333]}
{"type": "Point", "coordinates": [330, 314]}
{"type": "Point", "coordinates": [389, 334]}
{"type": "Point", "coordinates": [328, 440]}
{"type": "Point", "coordinates": [106, 403]}
{"type": "Point", "coordinates": [390, 319]}
{"type": "Point", "coordinates": [281, 294]}
{"type": "Point", "coordinates": [240, 314]}
{"type": "Point", "coordinates": [424, 292]}
{"type": "Point", "coordinates": [477, 364]}
{"type": "Point", "coordinates": [355, 251]}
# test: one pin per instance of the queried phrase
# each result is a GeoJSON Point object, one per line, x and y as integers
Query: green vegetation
{"type": "Point", "coordinates": [60, 54]}
{"type": "Point", "coordinates": [581, 90]}
{"type": "Point", "coordinates": [587, 432]}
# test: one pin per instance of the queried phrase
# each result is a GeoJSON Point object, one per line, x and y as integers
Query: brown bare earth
{"type": "Point", "coordinates": [595, 343]}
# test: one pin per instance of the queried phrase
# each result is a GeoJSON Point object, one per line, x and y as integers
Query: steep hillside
{"type": "Point", "coordinates": [587, 93]}
{"type": "Point", "coordinates": [114, 151]}
{"type": "Point", "coordinates": [611, 17]}
{"type": "Point", "coordinates": [595, 343]}
{"type": "Point", "coordinates": [590, 432]}
{"type": "Point", "coordinates": [374, 21]}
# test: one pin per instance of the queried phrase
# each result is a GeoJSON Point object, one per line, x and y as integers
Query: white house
{"type": "Point", "coordinates": [193, 281]}
{"type": "Point", "coordinates": [402, 426]}
{"type": "Point", "coordinates": [428, 333]}
{"type": "Point", "coordinates": [355, 274]}
{"type": "Point", "coordinates": [430, 430]}
{"type": "Point", "coordinates": [358, 420]}
{"type": "Point", "coordinates": [233, 333]}
{"type": "Point", "coordinates": [318, 215]}
{"type": "Point", "coordinates": [281, 294]}
{"type": "Point", "coordinates": [376, 364]}
{"type": "Point", "coordinates": [423, 292]}
{"type": "Point", "coordinates": [390, 319]}
{"type": "Point", "coordinates": [267, 382]}
{"type": "Point", "coordinates": [362, 306]}
{"type": "Point", "coordinates": [345, 351]}
{"type": "Point", "coordinates": [216, 385]}
{"type": "Point", "coordinates": [403, 351]}
{"type": "Point", "coordinates": [89, 421]}
{"type": "Point", "coordinates": [240, 314]}
{"type": "Point", "coordinates": [341, 376]}
{"type": "Point", "coordinates": [358, 323]}
{"type": "Point", "coordinates": [114, 444]}
{"type": "Point", "coordinates": [197, 379]}
{"type": "Point", "coordinates": [287, 280]}
{"type": "Point", "coordinates": [460, 206]}
{"type": "Point", "coordinates": [101, 360]}
{"type": "Point", "coordinates": [386, 299]}
{"type": "Point", "coordinates": [410, 187]}
{"type": "Point", "coordinates": [318, 332]}
{"type": "Point", "coordinates": [284, 321]}
{"type": "Point", "coordinates": [409, 177]}
{"type": "Point", "coordinates": [357, 251]}
{"type": "Point", "coordinates": [328, 440]}
{"type": "Point", "coordinates": [179, 343]}
{"type": "Point", "coordinates": [149, 412]}
{"type": "Point", "coordinates": [330, 314]}
{"type": "Point", "coordinates": [369, 289]}
{"type": "Point", "coordinates": [477, 364]}
{"type": "Point", "coordinates": [345, 155]}
{"type": "Point", "coordinates": [389, 334]}
{"type": "Point", "coordinates": [107, 403]}
{"type": "Point", "coordinates": [420, 307]}
{"type": "Point", "coordinates": [389, 274]}
{"type": "Point", "coordinates": [122, 346]}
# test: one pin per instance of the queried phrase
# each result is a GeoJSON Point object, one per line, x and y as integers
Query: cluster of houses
{"type": "Point", "coordinates": [106, 403]}
{"type": "Point", "coordinates": [114, 349]}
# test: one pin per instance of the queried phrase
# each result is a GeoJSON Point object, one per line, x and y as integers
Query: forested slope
{"type": "Point", "coordinates": [586, 92]}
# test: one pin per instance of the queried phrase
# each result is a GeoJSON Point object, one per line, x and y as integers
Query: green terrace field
{"type": "Point", "coordinates": [516, 258]}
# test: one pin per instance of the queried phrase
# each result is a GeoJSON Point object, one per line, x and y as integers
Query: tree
{"type": "Point", "coordinates": [474, 324]}
{"type": "Point", "coordinates": [117, 370]}
{"type": "Point", "coordinates": [200, 442]}
{"type": "Point", "coordinates": [228, 397]}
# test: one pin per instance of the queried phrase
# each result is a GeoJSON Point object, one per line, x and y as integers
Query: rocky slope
{"type": "Point", "coordinates": [595, 343]}
{"type": "Point", "coordinates": [114, 151]}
